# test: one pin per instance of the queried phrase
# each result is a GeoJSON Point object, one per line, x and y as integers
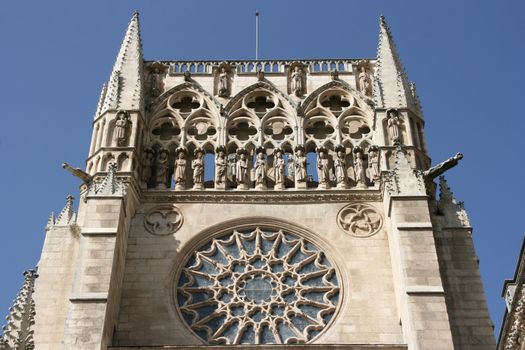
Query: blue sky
{"type": "Point", "coordinates": [465, 56]}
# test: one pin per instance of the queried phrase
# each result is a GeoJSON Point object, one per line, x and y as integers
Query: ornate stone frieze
{"type": "Point", "coordinates": [258, 286]}
{"type": "Point", "coordinates": [163, 220]}
{"type": "Point", "coordinates": [262, 197]}
{"type": "Point", "coordinates": [359, 220]}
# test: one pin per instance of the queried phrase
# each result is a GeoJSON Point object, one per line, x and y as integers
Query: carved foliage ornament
{"type": "Point", "coordinates": [359, 220]}
{"type": "Point", "coordinates": [258, 286]}
{"type": "Point", "coordinates": [163, 220]}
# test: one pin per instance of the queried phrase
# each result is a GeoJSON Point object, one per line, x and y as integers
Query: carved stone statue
{"type": "Point", "coordinates": [393, 126]}
{"type": "Point", "coordinates": [359, 168]}
{"type": "Point", "coordinates": [221, 165]}
{"type": "Point", "coordinates": [224, 83]}
{"type": "Point", "coordinates": [341, 176]}
{"type": "Point", "coordinates": [365, 84]}
{"type": "Point", "coordinates": [278, 167]}
{"type": "Point", "coordinates": [300, 168]}
{"type": "Point", "coordinates": [180, 170]}
{"type": "Point", "coordinates": [162, 169]}
{"type": "Point", "coordinates": [260, 171]}
{"type": "Point", "coordinates": [121, 126]}
{"type": "Point", "coordinates": [297, 77]}
{"type": "Point", "coordinates": [323, 169]}
{"type": "Point", "coordinates": [243, 175]}
{"type": "Point", "coordinates": [155, 82]}
{"type": "Point", "coordinates": [197, 165]}
{"type": "Point", "coordinates": [373, 164]}
{"type": "Point", "coordinates": [260, 75]}
{"type": "Point", "coordinates": [147, 163]}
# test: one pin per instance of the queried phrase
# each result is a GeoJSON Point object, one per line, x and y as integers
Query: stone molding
{"type": "Point", "coordinates": [89, 297]}
{"type": "Point", "coordinates": [261, 197]}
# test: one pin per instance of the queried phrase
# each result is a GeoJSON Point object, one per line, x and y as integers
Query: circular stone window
{"type": "Point", "coordinates": [257, 287]}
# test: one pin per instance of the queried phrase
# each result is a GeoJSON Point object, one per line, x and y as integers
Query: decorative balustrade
{"type": "Point", "coordinates": [252, 66]}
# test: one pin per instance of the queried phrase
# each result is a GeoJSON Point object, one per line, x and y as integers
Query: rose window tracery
{"type": "Point", "coordinates": [257, 286]}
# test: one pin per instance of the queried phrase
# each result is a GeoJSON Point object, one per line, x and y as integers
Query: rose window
{"type": "Point", "coordinates": [257, 287]}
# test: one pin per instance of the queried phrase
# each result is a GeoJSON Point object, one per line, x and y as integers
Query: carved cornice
{"type": "Point", "coordinates": [211, 196]}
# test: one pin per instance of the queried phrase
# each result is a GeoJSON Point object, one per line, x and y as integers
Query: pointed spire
{"type": "Point", "coordinates": [101, 100]}
{"type": "Point", "coordinates": [392, 87]}
{"type": "Point", "coordinates": [453, 211]}
{"type": "Point", "coordinates": [124, 89]}
{"type": "Point", "coordinates": [50, 221]}
{"type": "Point", "coordinates": [445, 193]}
{"type": "Point", "coordinates": [110, 186]}
{"type": "Point", "coordinates": [67, 215]}
{"type": "Point", "coordinates": [18, 331]}
{"type": "Point", "coordinates": [403, 179]}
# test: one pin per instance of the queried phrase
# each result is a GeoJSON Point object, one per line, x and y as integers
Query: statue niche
{"type": "Point", "coordinates": [242, 171]}
{"type": "Point", "coordinates": [393, 122]}
{"type": "Point", "coordinates": [297, 79]}
{"type": "Point", "coordinates": [359, 168]}
{"type": "Point", "coordinates": [221, 165]}
{"type": "Point", "coordinates": [278, 170]}
{"type": "Point", "coordinates": [155, 80]}
{"type": "Point", "coordinates": [341, 175]}
{"type": "Point", "coordinates": [121, 129]}
{"type": "Point", "coordinates": [323, 168]}
{"type": "Point", "coordinates": [180, 169]}
{"type": "Point", "coordinates": [365, 82]}
{"type": "Point", "coordinates": [197, 165]}
{"type": "Point", "coordinates": [223, 80]}
{"type": "Point", "coordinates": [260, 170]}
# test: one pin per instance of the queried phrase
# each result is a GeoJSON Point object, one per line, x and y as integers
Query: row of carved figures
{"type": "Point", "coordinates": [235, 170]}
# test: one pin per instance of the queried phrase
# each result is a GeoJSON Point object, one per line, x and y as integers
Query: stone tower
{"type": "Point", "coordinates": [260, 202]}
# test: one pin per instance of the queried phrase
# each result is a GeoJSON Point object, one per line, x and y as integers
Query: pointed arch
{"type": "Point", "coordinates": [338, 84]}
{"type": "Point", "coordinates": [188, 85]}
{"type": "Point", "coordinates": [260, 85]}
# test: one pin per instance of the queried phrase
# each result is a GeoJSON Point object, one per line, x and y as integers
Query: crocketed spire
{"type": "Point", "coordinates": [124, 89]}
{"type": "Point", "coordinates": [18, 331]}
{"type": "Point", "coordinates": [392, 86]}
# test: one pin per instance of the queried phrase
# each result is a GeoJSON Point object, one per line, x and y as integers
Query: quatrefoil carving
{"type": "Point", "coordinates": [163, 220]}
{"type": "Point", "coordinates": [359, 220]}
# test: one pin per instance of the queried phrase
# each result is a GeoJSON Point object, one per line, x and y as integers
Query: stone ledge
{"type": "Point", "coordinates": [425, 290]}
{"type": "Point", "coordinates": [109, 231]}
{"type": "Point", "coordinates": [267, 347]}
{"type": "Point", "coordinates": [414, 226]}
{"type": "Point", "coordinates": [89, 298]}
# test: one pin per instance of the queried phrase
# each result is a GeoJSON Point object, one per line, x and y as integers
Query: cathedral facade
{"type": "Point", "coordinates": [264, 203]}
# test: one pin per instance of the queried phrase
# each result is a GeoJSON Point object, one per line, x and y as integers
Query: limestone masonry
{"type": "Point", "coordinates": [258, 203]}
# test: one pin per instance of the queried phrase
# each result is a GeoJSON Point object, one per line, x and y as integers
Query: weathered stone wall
{"type": "Point", "coordinates": [53, 286]}
{"type": "Point", "coordinates": [466, 303]}
{"type": "Point", "coordinates": [367, 314]}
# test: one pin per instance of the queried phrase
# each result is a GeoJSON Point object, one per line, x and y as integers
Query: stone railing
{"type": "Point", "coordinates": [267, 66]}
